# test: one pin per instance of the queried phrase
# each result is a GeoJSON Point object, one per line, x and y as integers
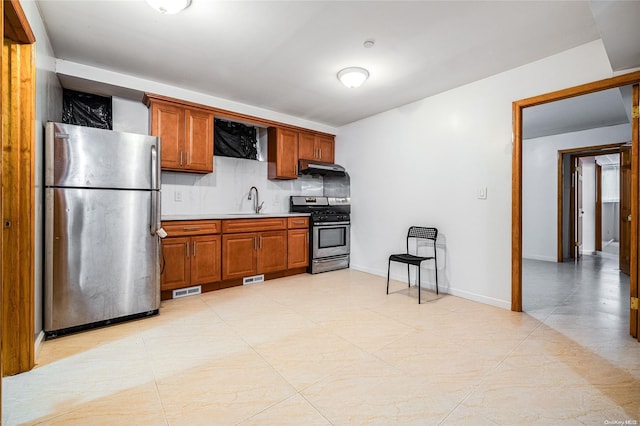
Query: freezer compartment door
{"type": "Point", "coordinates": [84, 157]}
{"type": "Point", "coordinates": [101, 262]}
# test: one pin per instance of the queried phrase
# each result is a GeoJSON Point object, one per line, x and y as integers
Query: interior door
{"type": "Point", "coordinates": [579, 211]}
{"type": "Point", "coordinates": [598, 207]}
{"type": "Point", "coordinates": [634, 317]}
{"type": "Point", "coordinates": [625, 209]}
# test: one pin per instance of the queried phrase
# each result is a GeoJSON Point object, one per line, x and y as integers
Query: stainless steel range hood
{"type": "Point", "coordinates": [311, 167]}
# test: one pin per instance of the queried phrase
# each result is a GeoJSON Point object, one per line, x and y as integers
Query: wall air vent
{"type": "Point", "coordinates": [189, 291]}
{"type": "Point", "coordinates": [252, 280]}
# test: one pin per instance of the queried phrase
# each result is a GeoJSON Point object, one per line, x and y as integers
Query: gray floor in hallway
{"type": "Point", "coordinates": [592, 290]}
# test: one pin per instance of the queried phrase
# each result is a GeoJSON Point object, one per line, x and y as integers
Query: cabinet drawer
{"type": "Point", "coordinates": [253, 225]}
{"type": "Point", "coordinates": [191, 227]}
{"type": "Point", "coordinates": [298, 222]}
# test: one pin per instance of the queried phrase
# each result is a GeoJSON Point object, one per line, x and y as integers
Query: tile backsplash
{"type": "Point", "coordinates": [226, 189]}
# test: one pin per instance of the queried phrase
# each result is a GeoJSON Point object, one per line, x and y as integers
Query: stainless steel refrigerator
{"type": "Point", "coordinates": [102, 221]}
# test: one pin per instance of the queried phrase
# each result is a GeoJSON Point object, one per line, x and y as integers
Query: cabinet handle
{"type": "Point", "coordinates": [307, 238]}
{"type": "Point", "coordinates": [188, 158]}
{"type": "Point", "coordinates": [260, 247]}
{"type": "Point", "coordinates": [188, 249]}
{"type": "Point", "coordinates": [180, 158]}
{"type": "Point", "coordinates": [191, 228]}
{"type": "Point", "coordinates": [255, 243]}
{"type": "Point", "coordinates": [320, 151]}
{"type": "Point", "coordinates": [194, 249]}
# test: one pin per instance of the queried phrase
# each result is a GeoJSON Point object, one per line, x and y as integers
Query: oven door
{"type": "Point", "coordinates": [331, 239]}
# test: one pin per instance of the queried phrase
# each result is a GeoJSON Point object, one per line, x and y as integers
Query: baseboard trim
{"type": "Point", "coordinates": [444, 288]}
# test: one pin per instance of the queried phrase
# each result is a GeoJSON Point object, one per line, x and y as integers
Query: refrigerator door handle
{"type": "Point", "coordinates": [154, 221]}
{"type": "Point", "coordinates": [154, 167]}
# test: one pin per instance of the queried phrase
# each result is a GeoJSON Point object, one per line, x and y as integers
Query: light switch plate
{"type": "Point", "coordinates": [177, 196]}
{"type": "Point", "coordinates": [482, 193]}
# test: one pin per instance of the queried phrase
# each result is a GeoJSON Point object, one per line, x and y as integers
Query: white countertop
{"type": "Point", "coordinates": [210, 216]}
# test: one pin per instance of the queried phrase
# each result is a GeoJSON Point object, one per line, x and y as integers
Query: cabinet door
{"type": "Point", "coordinates": [326, 149]}
{"type": "Point", "coordinates": [177, 265]}
{"type": "Point", "coordinates": [307, 146]}
{"type": "Point", "coordinates": [239, 255]}
{"type": "Point", "coordinates": [205, 259]}
{"type": "Point", "coordinates": [199, 140]}
{"type": "Point", "coordinates": [298, 248]}
{"type": "Point", "coordinates": [167, 121]}
{"type": "Point", "coordinates": [272, 251]}
{"type": "Point", "coordinates": [283, 154]}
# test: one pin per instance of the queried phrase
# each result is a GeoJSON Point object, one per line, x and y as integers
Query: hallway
{"type": "Point", "coordinates": [588, 302]}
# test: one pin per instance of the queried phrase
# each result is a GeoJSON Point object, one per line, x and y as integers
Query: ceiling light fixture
{"type": "Point", "coordinates": [353, 77]}
{"type": "Point", "coordinates": [169, 7]}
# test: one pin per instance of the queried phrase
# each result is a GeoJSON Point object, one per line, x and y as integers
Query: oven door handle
{"type": "Point", "coordinates": [331, 223]}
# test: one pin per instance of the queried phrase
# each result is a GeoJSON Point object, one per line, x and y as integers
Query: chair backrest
{"type": "Point", "coordinates": [424, 233]}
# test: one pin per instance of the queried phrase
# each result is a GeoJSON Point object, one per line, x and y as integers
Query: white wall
{"type": "Point", "coordinates": [424, 163]}
{"type": "Point", "coordinates": [540, 181]}
{"type": "Point", "coordinates": [610, 222]}
{"type": "Point", "coordinates": [48, 107]}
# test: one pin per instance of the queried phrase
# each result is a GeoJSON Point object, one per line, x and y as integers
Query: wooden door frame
{"type": "Point", "coordinates": [586, 151]}
{"type": "Point", "coordinates": [14, 27]}
{"type": "Point", "coordinates": [598, 232]}
{"type": "Point", "coordinates": [516, 176]}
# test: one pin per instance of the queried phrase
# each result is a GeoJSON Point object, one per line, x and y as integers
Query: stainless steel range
{"type": "Point", "coordinates": [330, 228]}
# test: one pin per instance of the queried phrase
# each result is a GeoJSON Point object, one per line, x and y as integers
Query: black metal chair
{"type": "Point", "coordinates": [417, 233]}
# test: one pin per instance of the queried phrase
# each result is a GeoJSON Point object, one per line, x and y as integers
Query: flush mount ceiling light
{"type": "Point", "coordinates": [353, 77]}
{"type": "Point", "coordinates": [169, 7]}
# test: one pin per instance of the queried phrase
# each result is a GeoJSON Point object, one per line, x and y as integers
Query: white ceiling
{"type": "Point", "coordinates": [599, 109]}
{"type": "Point", "coordinates": [284, 56]}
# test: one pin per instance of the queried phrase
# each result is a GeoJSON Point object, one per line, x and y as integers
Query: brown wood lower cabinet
{"type": "Point", "coordinates": [298, 242]}
{"type": "Point", "coordinates": [239, 258]}
{"type": "Point", "coordinates": [177, 265]}
{"type": "Point", "coordinates": [253, 253]}
{"type": "Point", "coordinates": [220, 253]}
{"type": "Point", "coordinates": [191, 254]}
{"type": "Point", "coordinates": [298, 248]}
{"type": "Point", "coordinates": [205, 259]}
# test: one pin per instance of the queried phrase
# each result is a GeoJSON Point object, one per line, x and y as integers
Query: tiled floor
{"type": "Point", "coordinates": [335, 349]}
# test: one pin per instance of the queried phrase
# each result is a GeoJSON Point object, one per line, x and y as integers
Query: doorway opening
{"type": "Point", "coordinates": [517, 181]}
{"type": "Point", "coordinates": [597, 198]}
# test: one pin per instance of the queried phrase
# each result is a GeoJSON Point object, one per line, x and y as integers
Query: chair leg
{"type": "Point", "coordinates": [419, 287]}
{"type": "Point", "coordinates": [436, 268]}
{"type": "Point", "coordinates": [388, 272]}
{"type": "Point", "coordinates": [408, 275]}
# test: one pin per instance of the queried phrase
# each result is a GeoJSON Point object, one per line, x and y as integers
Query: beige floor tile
{"type": "Point", "coordinates": [222, 392]}
{"type": "Point", "coordinates": [294, 411]}
{"type": "Point", "coordinates": [366, 329]}
{"type": "Point", "coordinates": [374, 393]}
{"type": "Point", "coordinates": [271, 326]}
{"type": "Point", "coordinates": [305, 358]}
{"type": "Point", "coordinates": [334, 348]}
{"type": "Point", "coordinates": [134, 406]}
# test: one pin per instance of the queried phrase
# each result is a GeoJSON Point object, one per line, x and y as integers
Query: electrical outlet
{"type": "Point", "coordinates": [177, 196]}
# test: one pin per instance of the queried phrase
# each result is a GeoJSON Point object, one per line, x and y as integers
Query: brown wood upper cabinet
{"type": "Point", "coordinates": [316, 147]}
{"type": "Point", "coordinates": [186, 136]}
{"type": "Point", "coordinates": [282, 153]}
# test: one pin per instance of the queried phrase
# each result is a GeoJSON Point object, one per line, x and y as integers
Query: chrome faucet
{"type": "Point", "coordinates": [257, 205]}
